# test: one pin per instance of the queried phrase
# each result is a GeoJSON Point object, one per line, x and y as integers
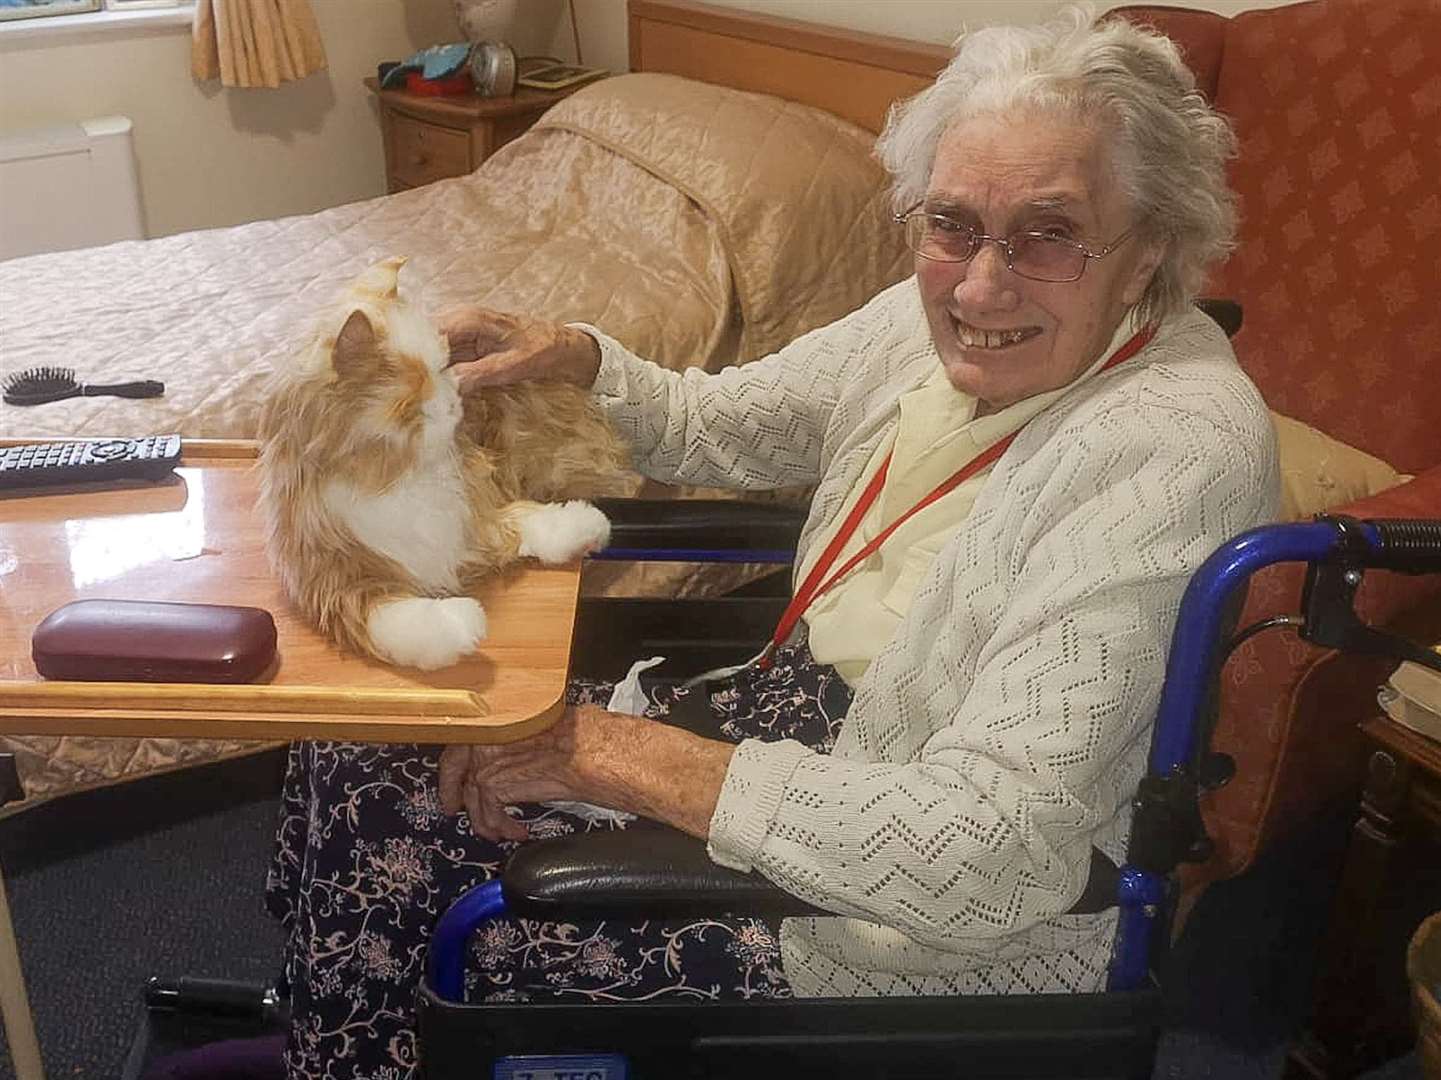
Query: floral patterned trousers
{"type": "Point", "coordinates": [366, 862]}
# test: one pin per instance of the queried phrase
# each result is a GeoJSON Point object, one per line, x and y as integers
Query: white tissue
{"type": "Point", "coordinates": [627, 697]}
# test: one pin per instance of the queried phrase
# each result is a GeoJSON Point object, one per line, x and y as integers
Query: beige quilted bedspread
{"type": "Point", "coordinates": [699, 225]}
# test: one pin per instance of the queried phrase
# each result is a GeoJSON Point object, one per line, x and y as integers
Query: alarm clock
{"type": "Point", "coordinates": [492, 68]}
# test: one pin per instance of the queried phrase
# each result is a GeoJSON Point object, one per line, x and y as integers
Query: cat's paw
{"type": "Point", "coordinates": [559, 532]}
{"type": "Point", "coordinates": [426, 633]}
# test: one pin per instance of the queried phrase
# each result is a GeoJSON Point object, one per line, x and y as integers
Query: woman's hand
{"type": "Point", "coordinates": [484, 780]}
{"type": "Point", "coordinates": [490, 348]}
{"type": "Point", "coordinates": [589, 755]}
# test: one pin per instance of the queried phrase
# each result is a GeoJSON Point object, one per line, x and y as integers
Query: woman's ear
{"type": "Point", "coordinates": [354, 353]}
{"type": "Point", "coordinates": [1140, 275]}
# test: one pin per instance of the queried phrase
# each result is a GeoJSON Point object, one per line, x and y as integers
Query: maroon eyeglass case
{"type": "Point", "coordinates": [154, 641]}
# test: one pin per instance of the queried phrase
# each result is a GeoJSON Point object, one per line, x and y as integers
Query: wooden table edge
{"type": "Point", "coordinates": [200, 723]}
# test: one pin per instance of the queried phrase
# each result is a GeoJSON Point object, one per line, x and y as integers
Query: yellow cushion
{"type": "Point", "coordinates": [1318, 473]}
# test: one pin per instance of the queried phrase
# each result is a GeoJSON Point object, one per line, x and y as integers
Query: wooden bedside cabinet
{"type": "Point", "coordinates": [431, 138]}
{"type": "Point", "coordinates": [1361, 1013]}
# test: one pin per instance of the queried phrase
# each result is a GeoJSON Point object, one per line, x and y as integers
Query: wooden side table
{"type": "Point", "coordinates": [1361, 1013]}
{"type": "Point", "coordinates": [431, 138]}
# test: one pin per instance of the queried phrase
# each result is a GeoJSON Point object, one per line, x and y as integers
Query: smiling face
{"type": "Point", "coordinates": [1001, 337]}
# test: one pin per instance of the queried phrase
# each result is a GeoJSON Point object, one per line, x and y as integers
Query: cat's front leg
{"type": "Point", "coordinates": [425, 632]}
{"type": "Point", "coordinates": [558, 533]}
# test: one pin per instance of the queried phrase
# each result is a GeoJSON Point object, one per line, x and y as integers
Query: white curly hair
{"type": "Point", "coordinates": [1169, 148]}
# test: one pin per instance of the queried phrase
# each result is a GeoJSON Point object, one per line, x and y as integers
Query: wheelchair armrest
{"type": "Point", "coordinates": [709, 524]}
{"type": "Point", "coordinates": [694, 634]}
{"type": "Point", "coordinates": [649, 871]}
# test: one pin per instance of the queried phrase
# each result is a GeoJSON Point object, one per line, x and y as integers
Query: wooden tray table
{"type": "Point", "coordinates": [199, 538]}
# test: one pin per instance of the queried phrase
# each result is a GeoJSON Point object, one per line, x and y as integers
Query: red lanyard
{"type": "Point", "coordinates": [813, 586]}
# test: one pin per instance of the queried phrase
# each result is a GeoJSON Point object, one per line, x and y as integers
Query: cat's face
{"type": "Point", "coordinates": [389, 368]}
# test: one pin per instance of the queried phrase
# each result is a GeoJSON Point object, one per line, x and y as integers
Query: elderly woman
{"type": "Point", "coordinates": [1020, 455]}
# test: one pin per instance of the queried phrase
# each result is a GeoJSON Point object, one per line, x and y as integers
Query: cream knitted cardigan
{"type": "Point", "coordinates": [1003, 729]}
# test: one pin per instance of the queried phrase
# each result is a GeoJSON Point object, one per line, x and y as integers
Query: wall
{"type": "Point", "coordinates": [211, 156]}
{"type": "Point", "coordinates": [603, 23]}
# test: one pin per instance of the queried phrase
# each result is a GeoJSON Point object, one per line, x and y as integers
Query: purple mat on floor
{"type": "Point", "coordinates": [234, 1059]}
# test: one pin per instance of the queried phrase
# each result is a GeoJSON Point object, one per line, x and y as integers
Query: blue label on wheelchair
{"type": "Point", "coordinates": [561, 1067]}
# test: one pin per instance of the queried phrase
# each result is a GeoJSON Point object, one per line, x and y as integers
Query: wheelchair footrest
{"type": "Point", "coordinates": [1077, 1036]}
{"type": "Point", "coordinates": [223, 999]}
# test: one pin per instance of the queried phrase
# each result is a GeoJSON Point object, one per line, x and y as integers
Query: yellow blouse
{"type": "Point", "coordinates": [935, 433]}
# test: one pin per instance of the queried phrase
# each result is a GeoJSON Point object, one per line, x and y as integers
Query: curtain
{"type": "Point", "coordinates": [255, 42]}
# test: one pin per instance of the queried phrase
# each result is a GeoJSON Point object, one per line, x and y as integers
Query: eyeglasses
{"type": "Point", "coordinates": [1040, 256]}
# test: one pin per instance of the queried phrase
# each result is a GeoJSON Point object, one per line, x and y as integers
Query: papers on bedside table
{"type": "Point", "coordinates": [1412, 697]}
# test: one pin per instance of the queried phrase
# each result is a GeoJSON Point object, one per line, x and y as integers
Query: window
{"type": "Point", "coordinates": [31, 9]}
{"type": "Point", "coordinates": [35, 9]}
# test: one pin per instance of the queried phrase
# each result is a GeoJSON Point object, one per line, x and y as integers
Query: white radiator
{"type": "Point", "coordinates": [69, 186]}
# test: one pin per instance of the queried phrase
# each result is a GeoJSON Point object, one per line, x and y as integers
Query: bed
{"type": "Point", "coordinates": [705, 210]}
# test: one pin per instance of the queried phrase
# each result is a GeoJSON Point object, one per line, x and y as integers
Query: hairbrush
{"type": "Point", "coordinates": [41, 384]}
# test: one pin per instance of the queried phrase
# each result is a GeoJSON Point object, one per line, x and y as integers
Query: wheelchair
{"type": "Point", "coordinates": [650, 872]}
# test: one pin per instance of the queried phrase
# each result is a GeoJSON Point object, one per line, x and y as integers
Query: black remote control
{"type": "Point", "coordinates": [88, 461]}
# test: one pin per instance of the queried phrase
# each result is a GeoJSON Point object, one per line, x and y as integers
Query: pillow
{"type": "Point", "coordinates": [1318, 473]}
{"type": "Point", "coordinates": [800, 201]}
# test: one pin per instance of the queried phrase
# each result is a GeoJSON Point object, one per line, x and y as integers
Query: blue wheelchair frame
{"type": "Point", "coordinates": [1166, 828]}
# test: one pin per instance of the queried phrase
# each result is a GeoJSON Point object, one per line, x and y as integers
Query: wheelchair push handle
{"type": "Point", "coordinates": [1339, 548]}
{"type": "Point", "coordinates": [1407, 546]}
{"type": "Point", "coordinates": [1166, 826]}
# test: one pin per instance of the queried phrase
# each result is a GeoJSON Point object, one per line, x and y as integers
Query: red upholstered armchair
{"type": "Point", "coordinates": [1337, 105]}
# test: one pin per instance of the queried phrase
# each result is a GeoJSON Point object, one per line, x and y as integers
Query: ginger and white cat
{"type": "Point", "coordinates": [388, 498]}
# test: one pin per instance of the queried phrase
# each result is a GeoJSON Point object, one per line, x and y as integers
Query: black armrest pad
{"type": "Point", "coordinates": [694, 634]}
{"type": "Point", "coordinates": [647, 871]}
{"type": "Point", "coordinates": [711, 524]}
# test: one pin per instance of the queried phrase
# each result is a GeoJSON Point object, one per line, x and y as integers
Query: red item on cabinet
{"type": "Point", "coordinates": [417, 83]}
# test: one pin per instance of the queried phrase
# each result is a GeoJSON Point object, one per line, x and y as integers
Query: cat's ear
{"type": "Point", "coordinates": [382, 279]}
{"type": "Point", "coordinates": [354, 350]}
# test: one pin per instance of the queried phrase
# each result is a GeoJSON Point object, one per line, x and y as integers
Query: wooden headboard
{"type": "Point", "coordinates": [851, 74]}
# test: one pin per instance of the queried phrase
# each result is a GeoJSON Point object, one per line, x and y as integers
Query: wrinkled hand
{"type": "Point", "coordinates": [484, 780]}
{"type": "Point", "coordinates": [491, 348]}
{"type": "Point", "coordinates": [589, 755]}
